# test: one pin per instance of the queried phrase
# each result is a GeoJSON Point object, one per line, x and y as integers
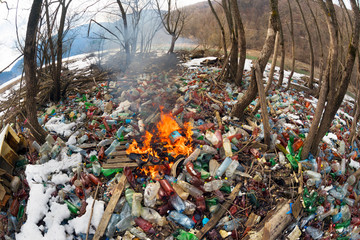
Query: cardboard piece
{"type": "Point", "coordinates": [9, 143]}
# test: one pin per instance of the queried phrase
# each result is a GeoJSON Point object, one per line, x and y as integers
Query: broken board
{"type": "Point", "coordinates": [110, 208]}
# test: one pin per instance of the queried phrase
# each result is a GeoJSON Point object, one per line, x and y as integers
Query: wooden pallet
{"type": "Point", "coordinates": [121, 159]}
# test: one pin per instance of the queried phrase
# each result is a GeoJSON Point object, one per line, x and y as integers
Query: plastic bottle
{"type": "Point", "coordinates": [232, 168]}
{"type": "Point", "coordinates": [213, 185]}
{"type": "Point", "coordinates": [166, 186]}
{"type": "Point", "coordinates": [191, 170]}
{"type": "Point", "coordinates": [292, 161]}
{"type": "Point", "coordinates": [153, 216]}
{"type": "Point", "coordinates": [72, 208]}
{"type": "Point", "coordinates": [136, 204]}
{"type": "Point", "coordinates": [129, 196]}
{"type": "Point", "coordinates": [232, 224]}
{"type": "Point", "coordinates": [77, 149]}
{"type": "Point", "coordinates": [224, 165]}
{"type": "Point", "coordinates": [105, 142]}
{"type": "Point", "coordinates": [83, 139]}
{"type": "Point", "coordinates": [208, 150]}
{"type": "Point", "coordinates": [182, 194]}
{"type": "Point", "coordinates": [150, 193]}
{"type": "Point", "coordinates": [326, 214]}
{"type": "Point", "coordinates": [189, 208]}
{"type": "Point", "coordinates": [307, 219]}
{"type": "Point", "coordinates": [144, 225]}
{"type": "Point", "coordinates": [315, 233]}
{"type": "Point", "coordinates": [111, 228]}
{"type": "Point", "coordinates": [125, 223]}
{"type": "Point", "coordinates": [36, 146]}
{"type": "Point", "coordinates": [341, 149]}
{"type": "Point", "coordinates": [200, 204]}
{"type": "Point", "coordinates": [181, 219]}
{"type": "Point", "coordinates": [193, 156]}
{"type": "Point", "coordinates": [112, 147]}
{"type": "Point", "coordinates": [227, 148]}
{"type": "Point", "coordinates": [96, 168]}
{"type": "Point", "coordinates": [282, 158]}
{"type": "Point", "coordinates": [177, 203]}
{"type": "Point", "coordinates": [193, 191]}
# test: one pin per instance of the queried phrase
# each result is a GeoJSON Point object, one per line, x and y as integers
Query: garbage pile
{"type": "Point", "coordinates": [157, 156]}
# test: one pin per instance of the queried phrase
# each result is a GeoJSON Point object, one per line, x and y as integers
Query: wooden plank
{"type": "Point", "coordinates": [110, 208]}
{"type": "Point", "coordinates": [119, 153]}
{"type": "Point", "coordinates": [215, 219]}
{"type": "Point", "coordinates": [119, 160]}
{"type": "Point", "coordinates": [121, 147]}
{"type": "Point", "coordinates": [124, 164]}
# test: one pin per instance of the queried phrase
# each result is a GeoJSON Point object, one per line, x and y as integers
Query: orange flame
{"type": "Point", "coordinates": [174, 147]}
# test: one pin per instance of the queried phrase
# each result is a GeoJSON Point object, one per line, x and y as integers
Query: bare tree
{"type": "Point", "coordinates": [291, 30]}
{"type": "Point", "coordinates": [256, 84]}
{"type": "Point", "coordinates": [312, 61]}
{"type": "Point", "coordinates": [322, 55]}
{"type": "Point", "coordinates": [273, 63]}
{"type": "Point", "coordinates": [173, 21]}
{"type": "Point", "coordinates": [336, 79]}
{"type": "Point", "coordinates": [30, 72]}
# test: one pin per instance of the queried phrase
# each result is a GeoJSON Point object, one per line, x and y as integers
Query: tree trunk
{"type": "Point", "coordinates": [337, 90]}
{"type": "Point", "coordinates": [242, 41]}
{"type": "Point", "coordinates": [353, 131]}
{"type": "Point", "coordinates": [260, 64]}
{"type": "Point", "coordinates": [322, 56]}
{"type": "Point", "coordinates": [30, 72]}
{"type": "Point", "coordinates": [172, 46]}
{"type": "Point", "coordinates": [221, 28]}
{"type": "Point", "coordinates": [312, 62]}
{"type": "Point", "coordinates": [273, 63]}
{"type": "Point", "coordinates": [59, 53]}
{"type": "Point", "coordinates": [291, 29]}
{"type": "Point", "coordinates": [283, 54]}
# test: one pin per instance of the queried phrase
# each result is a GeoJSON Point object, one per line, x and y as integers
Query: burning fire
{"type": "Point", "coordinates": [174, 140]}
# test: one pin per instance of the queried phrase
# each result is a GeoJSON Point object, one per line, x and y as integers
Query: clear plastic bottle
{"type": "Point", "coordinates": [190, 208]}
{"type": "Point", "coordinates": [105, 142]}
{"type": "Point", "coordinates": [315, 233]}
{"type": "Point", "coordinates": [213, 185]}
{"type": "Point", "coordinates": [181, 219]}
{"type": "Point", "coordinates": [83, 139]}
{"type": "Point", "coordinates": [227, 148]}
{"type": "Point", "coordinates": [112, 147]}
{"type": "Point", "coordinates": [125, 223]}
{"type": "Point", "coordinates": [177, 203]}
{"type": "Point", "coordinates": [208, 150]}
{"type": "Point", "coordinates": [136, 205]}
{"type": "Point", "coordinates": [224, 165]}
{"type": "Point", "coordinates": [282, 158]}
{"type": "Point", "coordinates": [96, 168]}
{"type": "Point", "coordinates": [326, 214]}
{"type": "Point", "coordinates": [193, 156]}
{"type": "Point", "coordinates": [193, 191]}
{"type": "Point", "coordinates": [232, 224]}
{"type": "Point", "coordinates": [111, 227]}
{"type": "Point", "coordinates": [150, 193]}
{"type": "Point", "coordinates": [232, 168]}
{"type": "Point", "coordinates": [153, 216]}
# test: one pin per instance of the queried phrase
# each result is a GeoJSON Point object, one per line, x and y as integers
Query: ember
{"type": "Point", "coordinates": [166, 142]}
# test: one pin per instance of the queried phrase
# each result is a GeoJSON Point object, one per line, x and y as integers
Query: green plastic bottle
{"type": "Point", "coordinates": [72, 208]}
{"type": "Point", "coordinates": [109, 172]}
{"type": "Point", "coordinates": [292, 161]}
{"type": "Point", "coordinates": [343, 225]}
{"type": "Point", "coordinates": [183, 235]}
{"type": "Point", "coordinates": [290, 147]}
{"type": "Point", "coordinates": [129, 196]}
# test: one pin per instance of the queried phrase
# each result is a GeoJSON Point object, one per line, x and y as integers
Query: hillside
{"type": "Point", "coordinates": [254, 15]}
